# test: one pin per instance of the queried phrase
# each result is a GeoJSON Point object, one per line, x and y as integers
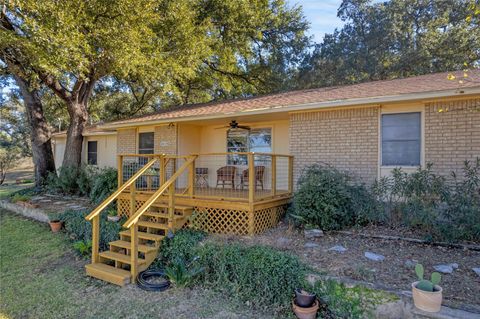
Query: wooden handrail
{"type": "Point", "coordinates": [134, 218]}
{"type": "Point", "coordinates": [112, 197]}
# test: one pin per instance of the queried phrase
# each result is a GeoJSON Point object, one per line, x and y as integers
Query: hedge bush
{"type": "Point", "coordinates": [104, 184]}
{"type": "Point", "coordinates": [330, 199]}
{"type": "Point", "coordinates": [78, 229]}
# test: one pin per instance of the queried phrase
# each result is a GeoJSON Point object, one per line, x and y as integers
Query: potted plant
{"type": "Point", "coordinates": [113, 216]}
{"type": "Point", "coordinates": [55, 223]}
{"type": "Point", "coordinates": [305, 304]}
{"type": "Point", "coordinates": [427, 294]}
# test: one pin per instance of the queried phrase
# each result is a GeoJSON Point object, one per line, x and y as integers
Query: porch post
{"type": "Point", "coordinates": [251, 178]}
{"type": "Point", "coordinates": [134, 252]}
{"type": "Point", "coordinates": [191, 180]}
{"type": "Point", "coordinates": [95, 238]}
{"type": "Point", "coordinates": [171, 206]}
{"type": "Point", "coordinates": [120, 170]}
{"type": "Point", "coordinates": [274, 175]}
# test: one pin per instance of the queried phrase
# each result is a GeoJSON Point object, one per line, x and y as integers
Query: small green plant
{"type": "Point", "coordinates": [181, 274]}
{"type": "Point", "coordinates": [20, 198]}
{"type": "Point", "coordinates": [112, 212]}
{"type": "Point", "coordinates": [426, 285]}
{"type": "Point", "coordinates": [84, 248]}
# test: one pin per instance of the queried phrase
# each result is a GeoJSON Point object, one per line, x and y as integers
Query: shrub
{"type": "Point", "coordinates": [262, 276]}
{"type": "Point", "coordinates": [330, 199]}
{"type": "Point", "coordinates": [104, 184]}
{"type": "Point", "coordinates": [79, 229]}
{"type": "Point", "coordinates": [72, 180]}
{"type": "Point", "coordinates": [181, 246]}
{"type": "Point", "coordinates": [182, 274]}
{"type": "Point", "coordinates": [84, 248]}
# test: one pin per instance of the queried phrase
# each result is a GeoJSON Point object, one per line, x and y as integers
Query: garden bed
{"type": "Point", "coordinates": [395, 273]}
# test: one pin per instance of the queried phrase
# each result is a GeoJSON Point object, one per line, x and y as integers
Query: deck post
{"type": "Point", "coordinates": [163, 170]}
{"type": "Point", "coordinates": [191, 180]}
{"type": "Point", "coordinates": [274, 175]}
{"type": "Point", "coordinates": [132, 199]}
{"type": "Point", "coordinates": [95, 238]}
{"type": "Point", "coordinates": [171, 205]}
{"type": "Point", "coordinates": [120, 170]}
{"type": "Point", "coordinates": [290, 174]}
{"type": "Point", "coordinates": [251, 178]}
{"type": "Point", "coordinates": [134, 252]}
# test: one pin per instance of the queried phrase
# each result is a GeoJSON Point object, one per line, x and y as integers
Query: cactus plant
{"type": "Point", "coordinates": [426, 285]}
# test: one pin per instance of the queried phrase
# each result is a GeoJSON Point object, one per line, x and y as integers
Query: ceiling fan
{"type": "Point", "coordinates": [234, 125]}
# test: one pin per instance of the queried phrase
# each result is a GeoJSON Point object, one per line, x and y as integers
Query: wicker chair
{"type": "Point", "coordinates": [226, 174]}
{"type": "Point", "coordinates": [259, 173]}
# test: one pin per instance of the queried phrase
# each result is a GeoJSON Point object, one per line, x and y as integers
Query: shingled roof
{"type": "Point", "coordinates": [347, 95]}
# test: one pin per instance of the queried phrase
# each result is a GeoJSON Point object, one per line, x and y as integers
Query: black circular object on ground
{"type": "Point", "coordinates": [144, 276]}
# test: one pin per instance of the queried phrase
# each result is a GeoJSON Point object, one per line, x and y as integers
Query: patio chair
{"type": "Point", "coordinates": [226, 174]}
{"type": "Point", "coordinates": [259, 173]}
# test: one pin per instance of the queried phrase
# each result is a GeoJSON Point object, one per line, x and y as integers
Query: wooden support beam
{"type": "Point", "coordinates": [191, 180]}
{"type": "Point", "coordinates": [95, 238]}
{"type": "Point", "coordinates": [120, 170]}
{"type": "Point", "coordinates": [171, 206]}
{"type": "Point", "coordinates": [134, 251]}
{"type": "Point", "coordinates": [274, 175]}
{"type": "Point", "coordinates": [251, 178]}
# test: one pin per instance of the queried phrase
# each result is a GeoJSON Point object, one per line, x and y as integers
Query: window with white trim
{"type": "Point", "coordinates": [401, 139]}
{"type": "Point", "coordinates": [255, 140]}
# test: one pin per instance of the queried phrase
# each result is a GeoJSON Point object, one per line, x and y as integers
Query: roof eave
{"type": "Point", "coordinates": [431, 95]}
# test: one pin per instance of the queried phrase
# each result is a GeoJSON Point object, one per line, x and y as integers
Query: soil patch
{"type": "Point", "coordinates": [395, 272]}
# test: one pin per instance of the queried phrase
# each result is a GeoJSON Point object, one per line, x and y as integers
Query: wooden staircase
{"type": "Point", "coordinates": [138, 245]}
{"type": "Point", "coordinates": [114, 265]}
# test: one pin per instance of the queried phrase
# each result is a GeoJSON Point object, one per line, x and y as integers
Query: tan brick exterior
{"type": "Point", "coordinates": [452, 135]}
{"type": "Point", "coordinates": [345, 138]}
{"type": "Point", "coordinates": [166, 139]}
{"type": "Point", "coordinates": [127, 141]}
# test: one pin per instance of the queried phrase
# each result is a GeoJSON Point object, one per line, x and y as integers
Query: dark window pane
{"type": "Point", "coordinates": [401, 134]}
{"type": "Point", "coordinates": [146, 143]}
{"type": "Point", "coordinates": [92, 152]}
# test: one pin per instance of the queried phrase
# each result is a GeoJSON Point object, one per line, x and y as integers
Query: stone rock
{"type": "Point", "coordinates": [45, 200]}
{"type": "Point", "coordinates": [313, 233]}
{"type": "Point", "coordinates": [338, 249]}
{"type": "Point", "coordinates": [410, 263]}
{"type": "Point", "coordinates": [283, 241]}
{"type": "Point", "coordinates": [374, 257]}
{"type": "Point", "coordinates": [445, 269]}
{"type": "Point", "coordinates": [476, 270]}
{"type": "Point", "coordinates": [311, 245]}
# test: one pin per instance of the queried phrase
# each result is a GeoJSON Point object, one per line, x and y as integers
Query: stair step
{"type": "Point", "coordinates": [126, 245]}
{"type": "Point", "coordinates": [119, 257]}
{"type": "Point", "coordinates": [108, 273]}
{"type": "Point", "coordinates": [152, 225]}
{"type": "Point", "coordinates": [143, 235]}
{"type": "Point", "coordinates": [181, 208]}
{"type": "Point", "coordinates": [161, 215]}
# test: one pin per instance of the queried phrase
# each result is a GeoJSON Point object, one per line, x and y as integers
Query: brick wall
{"type": "Point", "coordinates": [127, 141]}
{"type": "Point", "coordinates": [166, 140]}
{"type": "Point", "coordinates": [452, 135]}
{"type": "Point", "coordinates": [347, 139]}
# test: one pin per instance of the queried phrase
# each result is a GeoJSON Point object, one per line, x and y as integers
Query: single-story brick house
{"type": "Point", "coordinates": [231, 166]}
{"type": "Point", "coordinates": [367, 128]}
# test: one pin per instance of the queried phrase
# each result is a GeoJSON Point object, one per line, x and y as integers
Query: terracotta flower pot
{"type": "Point", "coordinates": [305, 313]}
{"type": "Point", "coordinates": [426, 300]}
{"type": "Point", "coordinates": [55, 225]}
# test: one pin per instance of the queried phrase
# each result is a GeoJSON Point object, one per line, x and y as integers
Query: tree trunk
{"type": "Point", "coordinates": [40, 133]}
{"type": "Point", "coordinates": [77, 107]}
{"type": "Point", "coordinates": [73, 148]}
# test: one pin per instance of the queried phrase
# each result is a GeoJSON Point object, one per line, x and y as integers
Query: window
{"type": "Point", "coordinates": [145, 143]}
{"type": "Point", "coordinates": [92, 152]}
{"type": "Point", "coordinates": [401, 135]}
{"type": "Point", "coordinates": [240, 140]}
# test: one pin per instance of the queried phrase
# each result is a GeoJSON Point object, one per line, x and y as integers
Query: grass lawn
{"type": "Point", "coordinates": [6, 190]}
{"type": "Point", "coordinates": [41, 277]}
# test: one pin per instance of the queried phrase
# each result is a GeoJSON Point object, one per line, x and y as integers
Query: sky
{"type": "Point", "coordinates": [322, 15]}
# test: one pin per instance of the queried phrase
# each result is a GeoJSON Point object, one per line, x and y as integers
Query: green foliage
{"type": "Point", "coordinates": [8, 159]}
{"type": "Point", "coordinates": [261, 276]}
{"type": "Point", "coordinates": [20, 198]}
{"type": "Point", "coordinates": [181, 274]}
{"type": "Point", "coordinates": [181, 246]}
{"type": "Point", "coordinates": [78, 229]}
{"type": "Point", "coordinates": [330, 199]}
{"type": "Point", "coordinates": [426, 285]}
{"type": "Point", "coordinates": [104, 184]}
{"type": "Point", "coordinates": [84, 248]}
{"type": "Point", "coordinates": [391, 39]}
